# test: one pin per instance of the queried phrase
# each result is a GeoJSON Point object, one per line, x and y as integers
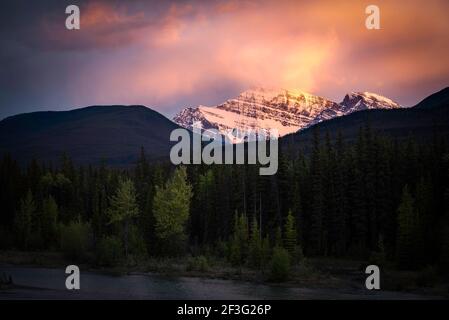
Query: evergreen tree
{"type": "Point", "coordinates": [330, 216]}
{"type": "Point", "coordinates": [23, 221]}
{"type": "Point", "coordinates": [255, 246]}
{"type": "Point", "coordinates": [359, 214]}
{"type": "Point", "coordinates": [444, 234]}
{"type": "Point", "coordinates": [406, 230]}
{"type": "Point", "coordinates": [206, 207]}
{"type": "Point", "coordinates": [290, 237]}
{"type": "Point", "coordinates": [278, 237]}
{"type": "Point", "coordinates": [124, 209]}
{"type": "Point", "coordinates": [265, 252]}
{"type": "Point", "coordinates": [424, 209]}
{"type": "Point", "coordinates": [340, 228]}
{"type": "Point", "coordinates": [317, 234]}
{"type": "Point", "coordinates": [239, 241]}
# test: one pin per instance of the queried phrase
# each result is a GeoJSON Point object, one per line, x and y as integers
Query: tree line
{"type": "Point", "coordinates": [374, 198]}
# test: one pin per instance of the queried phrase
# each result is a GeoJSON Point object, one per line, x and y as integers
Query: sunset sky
{"type": "Point", "coordinates": [171, 54]}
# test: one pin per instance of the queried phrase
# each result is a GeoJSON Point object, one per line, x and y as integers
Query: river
{"type": "Point", "coordinates": [48, 283]}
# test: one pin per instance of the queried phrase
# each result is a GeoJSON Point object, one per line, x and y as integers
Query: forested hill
{"type": "Point", "coordinates": [423, 121]}
{"type": "Point", "coordinates": [436, 100]}
{"type": "Point", "coordinates": [115, 134]}
{"type": "Point", "coordinates": [88, 135]}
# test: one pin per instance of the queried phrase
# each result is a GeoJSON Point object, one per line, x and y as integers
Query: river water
{"type": "Point", "coordinates": [47, 283]}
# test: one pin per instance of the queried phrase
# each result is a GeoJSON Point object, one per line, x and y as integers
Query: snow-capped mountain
{"type": "Point", "coordinates": [285, 110]}
{"type": "Point", "coordinates": [356, 101]}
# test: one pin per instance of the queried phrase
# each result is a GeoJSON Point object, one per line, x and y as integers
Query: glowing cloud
{"type": "Point", "coordinates": [168, 55]}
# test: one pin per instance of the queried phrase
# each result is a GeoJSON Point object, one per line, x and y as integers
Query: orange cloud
{"type": "Point", "coordinates": [318, 46]}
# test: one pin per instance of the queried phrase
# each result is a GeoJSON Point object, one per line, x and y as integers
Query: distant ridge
{"type": "Point", "coordinates": [88, 135]}
{"type": "Point", "coordinates": [427, 119]}
{"type": "Point", "coordinates": [115, 134]}
{"type": "Point", "coordinates": [436, 100]}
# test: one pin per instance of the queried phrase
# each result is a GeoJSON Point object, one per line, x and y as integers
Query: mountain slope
{"type": "Point", "coordinates": [88, 135]}
{"type": "Point", "coordinates": [116, 133]}
{"type": "Point", "coordinates": [285, 110]}
{"type": "Point", "coordinates": [435, 100]}
{"type": "Point", "coordinates": [423, 121]}
{"type": "Point", "coordinates": [356, 101]}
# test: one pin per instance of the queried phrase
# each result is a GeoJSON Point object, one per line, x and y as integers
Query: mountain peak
{"type": "Point", "coordinates": [286, 110]}
{"type": "Point", "coordinates": [356, 101]}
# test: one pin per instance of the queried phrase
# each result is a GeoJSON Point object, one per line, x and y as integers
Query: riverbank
{"type": "Point", "coordinates": [323, 273]}
{"type": "Point", "coordinates": [303, 274]}
{"type": "Point", "coordinates": [49, 283]}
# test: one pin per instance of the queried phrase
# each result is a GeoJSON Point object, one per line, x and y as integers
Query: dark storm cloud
{"type": "Point", "coordinates": [39, 55]}
{"type": "Point", "coordinates": [40, 24]}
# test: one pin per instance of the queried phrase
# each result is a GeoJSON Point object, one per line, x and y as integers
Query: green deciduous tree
{"type": "Point", "coordinates": [49, 221]}
{"type": "Point", "coordinates": [171, 207]}
{"type": "Point", "coordinates": [75, 240]}
{"type": "Point", "coordinates": [280, 264]}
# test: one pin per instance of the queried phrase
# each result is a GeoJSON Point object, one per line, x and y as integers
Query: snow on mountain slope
{"type": "Point", "coordinates": [257, 109]}
{"type": "Point", "coordinates": [356, 101]}
{"type": "Point", "coordinates": [285, 110]}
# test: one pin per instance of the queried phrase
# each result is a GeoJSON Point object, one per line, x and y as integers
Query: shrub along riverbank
{"type": "Point", "coordinates": [341, 274]}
